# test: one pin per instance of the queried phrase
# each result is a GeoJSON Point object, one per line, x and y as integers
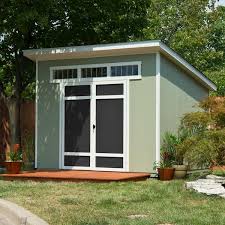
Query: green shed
{"type": "Point", "coordinates": [105, 107]}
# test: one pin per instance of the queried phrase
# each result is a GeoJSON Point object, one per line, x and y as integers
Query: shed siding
{"type": "Point", "coordinates": [180, 94]}
{"type": "Point", "coordinates": [141, 104]}
{"type": "Point", "coordinates": [142, 118]}
{"type": "Point", "coordinates": [48, 120]}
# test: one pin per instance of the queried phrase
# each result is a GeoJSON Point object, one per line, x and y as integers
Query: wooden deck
{"type": "Point", "coordinates": [76, 176]}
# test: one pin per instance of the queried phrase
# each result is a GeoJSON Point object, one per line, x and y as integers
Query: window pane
{"type": "Point", "coordinates": [94, 72]}
{"type": "Point", "coordinates": [109, 89]}
{"type": "Point", "coordinates": [104, 71]}
{"type": "Point", "coordinates": [124, 70]}
{"type": "Point", "coordinates": [82, 90]}
{"type": "Point", "coordinates": [70, 74]}
{"type": "Point", "coordinates": [77, 161]}
{"type": "Point", "coordinates": [59, 74]}
{"type": "Point", "coordinates": [130, 71]}
{"type": "Point", "coordinates": [55, 75]}
{"type": "Point", "coordinates": [83, 73]}
{"type": "Point", "coordinates": [109, 124]}
{"type": "Point", "coordinates": [77, 126]}
{"type": "Point", "coordinates": [135, 70]}
{"type": "Point", "coordinates": [65, 74]}
{"type": "Point", "coordinates": [113, 71]}
{"type": "Point", "coordinates": [109, 162]}
{"type": "Point", "coordinates": [118, 71]}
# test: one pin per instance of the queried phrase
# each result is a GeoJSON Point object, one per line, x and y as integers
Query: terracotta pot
{"type": "Point", "coordinates": [13, 167]}
{"type": "Point", "coordinates": [166, 173]}
{"type": "Point", "coordinates": [216, 168]}
{"type": "Point", "coordinates": [180, 171]}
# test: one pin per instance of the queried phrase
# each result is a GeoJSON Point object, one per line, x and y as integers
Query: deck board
{"type": "Point", "coordinates": [76, 176]}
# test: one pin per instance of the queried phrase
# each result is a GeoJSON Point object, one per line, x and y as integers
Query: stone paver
{"type": "Point", "coordinates": [212, 185]}
{"type": "Point", "coordinates": [12, 214]}
{"type": "Point", "coordinates": [4, 220]}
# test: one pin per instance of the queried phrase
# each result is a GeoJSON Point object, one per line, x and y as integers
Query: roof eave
{"type": "Point", "coordinates": [116, 50]}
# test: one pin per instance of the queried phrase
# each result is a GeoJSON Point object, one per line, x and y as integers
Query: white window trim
{"type": "Point", "coordinates": [108, 77]}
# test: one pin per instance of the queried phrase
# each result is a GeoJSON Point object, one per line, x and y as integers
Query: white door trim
{"type": "Point", "coordinates": [93, 98]}
{"type": "Point", "coordinates": [157, 107]}
{"type": "Point", "coordinates": [36, 115]}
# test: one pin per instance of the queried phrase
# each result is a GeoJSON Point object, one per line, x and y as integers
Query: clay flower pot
{"type": "Point", "coordinates": [180, 171]}
{"type": "Point", "coordinates": [165, 173]}
{"type": "Point", "coordinates": [13, 167]}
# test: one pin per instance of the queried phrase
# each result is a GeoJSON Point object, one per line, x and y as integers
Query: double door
{"type": "Point", "coordinates": [94, 126]}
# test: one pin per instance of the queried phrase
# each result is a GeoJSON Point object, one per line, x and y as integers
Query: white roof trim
{"type": "Point", "coordinates": [128, 48]}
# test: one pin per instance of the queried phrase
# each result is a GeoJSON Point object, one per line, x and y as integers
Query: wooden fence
{"type": "Point", "coordinates": [7, 123]}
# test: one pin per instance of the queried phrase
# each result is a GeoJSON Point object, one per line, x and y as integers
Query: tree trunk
{"type": "Point", "coordinates": [5, 132]}
{"type": "Point", "coordinates": [18, 84]}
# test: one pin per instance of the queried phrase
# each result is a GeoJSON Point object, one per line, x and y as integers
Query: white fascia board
{"type": "Point", "coordinates": [116, 49]}
{"type": "Point", "coordinates": [88, 49]}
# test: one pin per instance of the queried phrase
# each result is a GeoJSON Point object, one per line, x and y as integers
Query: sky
{"type": "Point", "coordinates": [222, 2]}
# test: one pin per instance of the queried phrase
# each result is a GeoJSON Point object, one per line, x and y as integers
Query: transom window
{"type": "Point", "coordinates": [129, 70]}
{"type": "Point", "coordinates": [65, 74]}
{"type": "Point", "coordinates": [94, 72]}
{"type": "Point", "coordinates": [97, 71]}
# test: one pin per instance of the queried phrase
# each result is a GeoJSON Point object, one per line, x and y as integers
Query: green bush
{"type": "Point", "coordinates": [195, 122]}
{"type": "Point", "coordinates": [205, 149]}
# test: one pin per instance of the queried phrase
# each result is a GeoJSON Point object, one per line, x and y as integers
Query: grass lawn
{"type": "Point", "coordinates": [115, 203]}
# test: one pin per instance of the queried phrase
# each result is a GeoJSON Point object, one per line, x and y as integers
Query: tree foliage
{"type": "Point", "coordinates": [194, 29]}
{"type": "Point", "coordinates": [206, 146]}
{"type": "Point", "coordinates": [28, 24]}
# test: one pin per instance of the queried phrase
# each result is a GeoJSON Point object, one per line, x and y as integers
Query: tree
{"type": "Point", "coordinates": [28, 24]}
{"type": "Point", "coordinates": [197, 34]}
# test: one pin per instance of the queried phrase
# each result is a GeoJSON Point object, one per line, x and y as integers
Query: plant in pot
{"type": "Point", "coordinates": [165, 166]}
{"type": "Point", "coordinates": [14, 162]}
{"type": "Point", "coordinates": [28, 151]}
{"type": "Point", "coordinates": [179, 166]}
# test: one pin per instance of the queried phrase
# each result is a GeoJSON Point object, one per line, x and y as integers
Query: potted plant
{"type": "Point", "coordinates": [14, 162]}
{"type": "Point", "coordinates": [179, 166]}
{"type": "Point", "coordinates": [28, 151]}
{"type": "Point", "coordinates": [165, 166]}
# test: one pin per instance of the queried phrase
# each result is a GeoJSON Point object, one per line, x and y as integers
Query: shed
{"type": "Point", "coordinates": [105, 107]}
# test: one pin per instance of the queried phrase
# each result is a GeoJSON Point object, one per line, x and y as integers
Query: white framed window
{"type": "Point", "coordinates": [59, 74]}
{"type": "Point", "coordinates": [94, 72]}
{"type": "Point", "coordinates": [87, 72]}
{"type": "Point", "coordinates": [128, 70]}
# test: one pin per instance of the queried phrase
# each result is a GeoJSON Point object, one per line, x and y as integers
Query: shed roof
{"type": "Point", "coordinates": [116, 49]}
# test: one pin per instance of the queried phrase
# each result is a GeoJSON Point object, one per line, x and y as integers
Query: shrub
{"type": "Point", "coordinates": [204, 149]}
{"type": "Point", "coordinates": [195, 122]}
{"type": "Point", "coordinates": [215, 108]}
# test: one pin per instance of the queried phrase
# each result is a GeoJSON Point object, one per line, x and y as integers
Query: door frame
{"type": "Point", "coordinates": [93, 98]}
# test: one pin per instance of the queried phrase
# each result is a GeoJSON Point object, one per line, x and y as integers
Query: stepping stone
{"type": "Point", "coordinates": [212, 185]}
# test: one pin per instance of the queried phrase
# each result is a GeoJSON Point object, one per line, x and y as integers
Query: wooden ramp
{"type": "Point", "coordinates": [76, 176]}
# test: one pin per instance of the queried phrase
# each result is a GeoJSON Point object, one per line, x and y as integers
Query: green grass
{"type": "Point", "coordinates": [219, 173]}
{"type": "Point", "coordinates": [115, 203]}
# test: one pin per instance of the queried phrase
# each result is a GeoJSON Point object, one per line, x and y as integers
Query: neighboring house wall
{"type": "Point", "coordinates": [180, 94]}
{"type": "Point", "coordinates": [142, 112]}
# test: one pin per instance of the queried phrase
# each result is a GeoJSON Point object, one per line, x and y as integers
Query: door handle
{"type": "Point", "coordinates": [94, 126]}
